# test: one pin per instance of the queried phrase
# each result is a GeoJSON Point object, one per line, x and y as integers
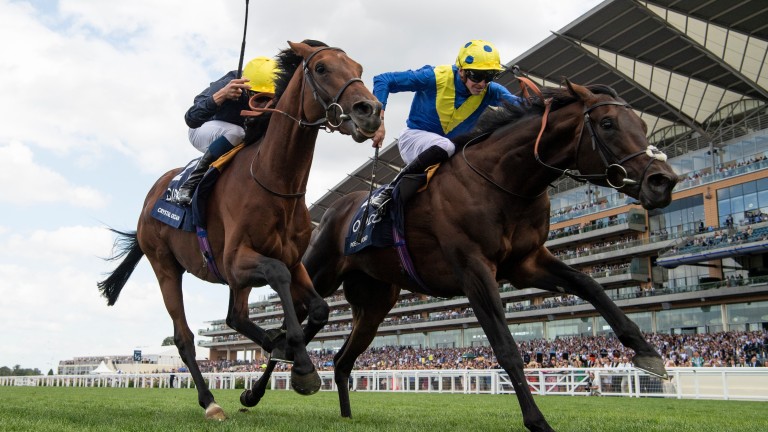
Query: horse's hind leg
{"type": "Point", "coordinates": [371, 301]}
{"type": "Point", "coordinates": [169, 276]}
{"type": "Point", "coordinates": [551, 274]}
{"type": "Point", "coordinates": [483, 295]}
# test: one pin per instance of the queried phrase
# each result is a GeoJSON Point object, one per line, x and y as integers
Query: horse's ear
{"type": "Point", "coordinates": [300, 48]}
{"type": "Point", "coordinates": [580, 92]}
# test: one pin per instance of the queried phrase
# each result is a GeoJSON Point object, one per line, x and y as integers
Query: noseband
{"type": "Point", "coordinates": [328, 107]}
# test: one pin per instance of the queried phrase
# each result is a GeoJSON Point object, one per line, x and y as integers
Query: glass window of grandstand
{"type": "Point", "coordinates": [743, 154]}
{"type": "Point", "coordinates": [704, 319]}
{"type": "Point", "coordinates": [527, 331]}
{"type": "Point", "coordinates": [752, 316]}
{"type": "Point", "coordinates": [445, 339]}
{"type": "Point", "coordinates": [569, 327]}
{"type": "Point", "coordinates": [475, 337]}
{"type": "Point", "coordinates": [687, 278]}
{"type": "Point", "coordinates": [415, 340]}
{"type": "Point", "coordinates": [682, 216]}
{"type": "Point", "coordinates": [384, 341]}
{"type": "Point", "coordinates": [644, 320]}
{"type": "Point", "coordinates": [742, 204]}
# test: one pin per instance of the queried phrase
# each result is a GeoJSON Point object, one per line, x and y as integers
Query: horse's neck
{"type": "Point", "coordinates": [285, 153]}
{"type": "Point", "coordinates": [508, 156]}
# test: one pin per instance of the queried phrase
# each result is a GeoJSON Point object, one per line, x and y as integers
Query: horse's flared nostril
{"type": "Point", "coordinates": [365, 109]}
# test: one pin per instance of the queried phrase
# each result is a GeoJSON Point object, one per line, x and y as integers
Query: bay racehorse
{"type": "Point", "coordinates": [257, 220]}
{"type": "Point", "coordinates": [484, 218]}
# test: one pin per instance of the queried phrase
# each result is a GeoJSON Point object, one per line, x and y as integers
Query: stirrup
{"type": "Point", "coordinates": [184, 200]}
{"type": "Point", "coordinates": [382, 199]}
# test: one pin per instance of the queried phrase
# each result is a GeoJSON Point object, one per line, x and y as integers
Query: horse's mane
{"type": "Point", "coordinates": [495, 118]}
{"type": "Point", "coordinates": [287, 63]}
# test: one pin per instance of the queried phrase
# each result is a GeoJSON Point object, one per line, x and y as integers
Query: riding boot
{"type": "Point", "coordinates": [187, 190]}
{"type": "Point", "coordinates": [424, 160]}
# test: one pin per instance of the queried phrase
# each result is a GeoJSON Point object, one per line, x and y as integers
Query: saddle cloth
{"type": "Point", "coordinates": [188, 218]}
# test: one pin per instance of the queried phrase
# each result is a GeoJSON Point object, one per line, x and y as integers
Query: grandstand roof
{"type": "Point", "coordinates": [676, 62]}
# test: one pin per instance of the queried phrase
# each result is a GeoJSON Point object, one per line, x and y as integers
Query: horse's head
{"type": "Point", "coordinates": [332, 93]}
{"type": "Point", "coordinates": [614, 151]}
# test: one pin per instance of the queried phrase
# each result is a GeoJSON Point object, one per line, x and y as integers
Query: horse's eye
{"type": "Point", "coordinates": [320, 68]}
{"type": "Point", "coordinates": [606, 123]}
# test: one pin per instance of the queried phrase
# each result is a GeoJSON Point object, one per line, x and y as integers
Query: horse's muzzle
{"type": "Point", "coordinates": [656, 191]}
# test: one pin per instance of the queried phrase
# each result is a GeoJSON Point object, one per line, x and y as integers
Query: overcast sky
{"type": "Point", "coordinates": [94, 94]}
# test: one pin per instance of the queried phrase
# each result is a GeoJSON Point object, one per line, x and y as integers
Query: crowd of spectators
{"type": "Point", "coordinates": [722, 237]}
{"type": "Point", "coordinates": [596, 247]}
{"type": "Point", "coordinates": [734, 349]}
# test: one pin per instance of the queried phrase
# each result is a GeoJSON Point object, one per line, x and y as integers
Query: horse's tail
{"type": "Point", "coordinates": [126, 245]}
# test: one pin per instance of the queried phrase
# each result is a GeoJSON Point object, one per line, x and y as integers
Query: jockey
{"type": "Point", "coordinates": [215, 123]}
{"type": "Point", "coordinates": [448, 101]}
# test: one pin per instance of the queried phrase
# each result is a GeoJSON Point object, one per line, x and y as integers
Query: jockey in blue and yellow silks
{"type": "Point", "coordinates": [448, 101]}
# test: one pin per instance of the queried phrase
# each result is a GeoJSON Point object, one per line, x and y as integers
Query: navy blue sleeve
{"type": "Point", "coordinates": [204, 108]}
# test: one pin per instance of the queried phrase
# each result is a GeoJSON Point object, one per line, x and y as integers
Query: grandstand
{"type": "Point", "coordinates": [696, 73]}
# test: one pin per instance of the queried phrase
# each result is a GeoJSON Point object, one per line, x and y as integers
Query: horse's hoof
{"type": "Point", "coordinates": [307, 384]}
{"type": "Point", "coordinates": [250, 398]}
{"type": "Point", "coordinates": [651, 364]}
{"type": "Point", "coordinates": [214, 412]}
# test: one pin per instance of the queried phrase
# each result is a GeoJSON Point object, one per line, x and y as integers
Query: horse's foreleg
{"type": "Point", "coordinates": [483, 295]}
{"type": "Point", "coordinates": [304, 377]}
{"type": "Point", "coordinates": [551, 274]}
{"type": "Point", "coordinates": [308, 303]}
{"type": "Point", "coordinates": [371, 301]}
{"type": "Point", "coordinates": [252, 397]}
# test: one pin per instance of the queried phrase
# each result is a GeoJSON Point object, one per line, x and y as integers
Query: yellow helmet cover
{"type": "Point", "coordinates": [479, 55]}
{"type": "Point", "coordinates": [260, 73]}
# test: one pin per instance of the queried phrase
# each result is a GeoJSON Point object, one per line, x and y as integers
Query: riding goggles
{"type": "Point", "coordinates": [479, 76]}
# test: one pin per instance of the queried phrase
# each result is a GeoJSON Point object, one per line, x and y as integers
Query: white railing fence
{"type": "Point", "coordinates": [686, 383]}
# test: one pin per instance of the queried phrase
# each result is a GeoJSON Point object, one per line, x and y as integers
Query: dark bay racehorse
{"type": "Point", "coordinates": [257, 219]}
{"type": "Point", "coordinates": [485, 217]}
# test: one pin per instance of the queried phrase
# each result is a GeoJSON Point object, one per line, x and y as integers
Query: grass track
{"type": "Point", "coordinates": [49, 409]}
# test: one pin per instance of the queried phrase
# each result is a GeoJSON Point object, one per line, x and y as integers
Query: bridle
{"type": "Point", "coordinates": [330, 108]}
{"type": "Point", "coordinates": [612, 162]}
{"type": "Point", "coordinates": [613, 165]}
{"type": "Point", "coordinates": [324, 122]}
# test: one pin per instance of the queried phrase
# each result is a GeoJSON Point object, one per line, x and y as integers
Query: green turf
{"type": "Point", "coordinates": [43, 409]}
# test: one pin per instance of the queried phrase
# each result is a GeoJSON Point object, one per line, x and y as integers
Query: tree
{"type": "Point", "coordinates": [18, 371]}
{"type": "Point", "coordinates": [168, 341]}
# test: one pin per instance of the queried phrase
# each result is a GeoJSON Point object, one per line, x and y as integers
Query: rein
{"type": "Point", "coordinates": [279, 194]}
{"type": "Point", "coordinates": [486, 176]}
